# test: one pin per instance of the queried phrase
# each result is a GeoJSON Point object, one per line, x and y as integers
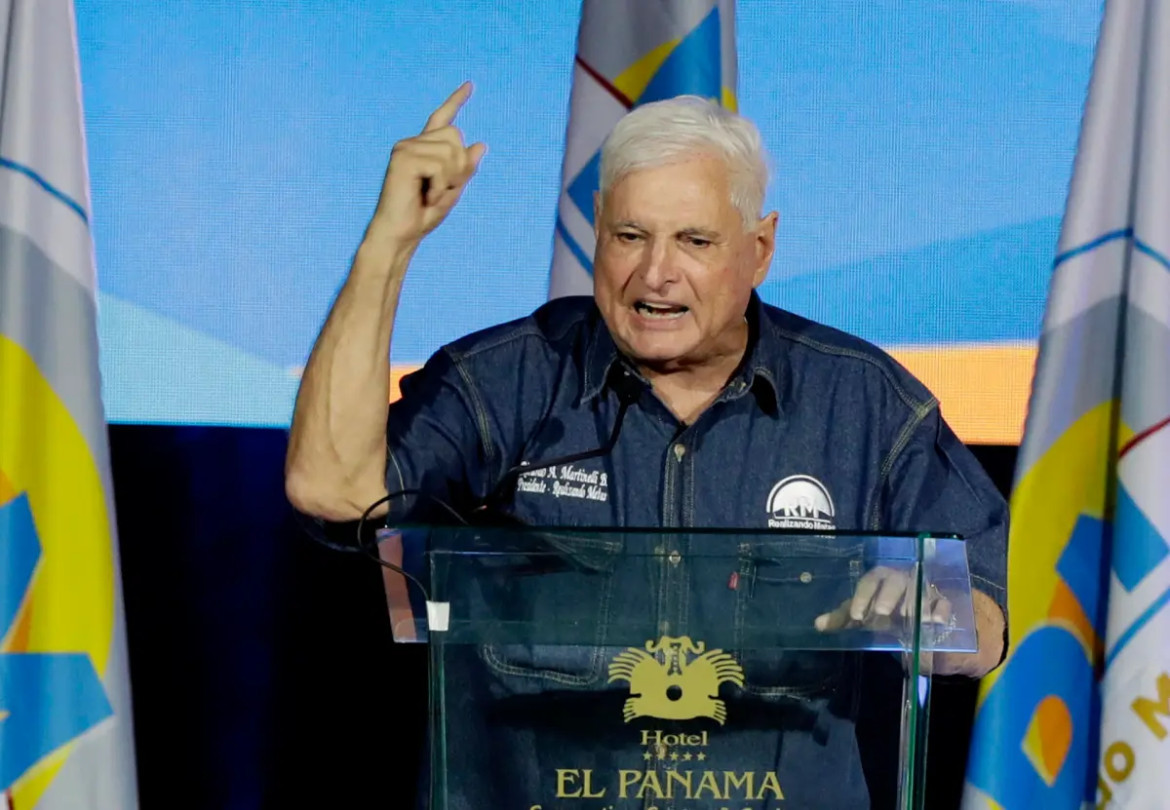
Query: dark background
{"type": "Point", "coordinates": [263, 670]}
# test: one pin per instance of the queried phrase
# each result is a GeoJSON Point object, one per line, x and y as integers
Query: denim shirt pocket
{"type": "Point", "coordinates": [773, 582]}
{"type": "Point", "coordinates": [562, 619]}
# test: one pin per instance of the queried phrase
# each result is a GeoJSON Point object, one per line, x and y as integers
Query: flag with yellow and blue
{"type": "Point", "coordinates": [65, 730]}
{"type": "Point", "coordinates": [1079, 715]}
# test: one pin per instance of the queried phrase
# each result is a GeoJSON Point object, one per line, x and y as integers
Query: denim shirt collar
{"type": "Point", "coordinates": [757, 372]}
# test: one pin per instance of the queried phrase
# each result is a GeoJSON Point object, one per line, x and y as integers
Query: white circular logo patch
{"type": "Point", "coordinates": [800, 502]}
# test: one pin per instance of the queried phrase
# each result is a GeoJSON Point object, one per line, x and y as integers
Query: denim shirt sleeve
{"type": "Point", "coordinates": [437, 440]}
{"type": "Point", "coordinates": [936, 484]}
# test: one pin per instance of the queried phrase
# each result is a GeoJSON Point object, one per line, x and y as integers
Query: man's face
{"type": "Point", "coordinates": [674, 267]}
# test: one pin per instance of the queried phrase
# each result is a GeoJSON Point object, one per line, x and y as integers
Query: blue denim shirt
{"type": "Point", "coordinates": [815, 430]}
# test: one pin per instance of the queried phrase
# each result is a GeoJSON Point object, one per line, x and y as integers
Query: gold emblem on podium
{"type": "Point", "coordinates": [664, 684]}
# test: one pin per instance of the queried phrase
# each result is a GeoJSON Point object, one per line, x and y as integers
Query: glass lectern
{"type": "Point", "coordinates": [609, 669]}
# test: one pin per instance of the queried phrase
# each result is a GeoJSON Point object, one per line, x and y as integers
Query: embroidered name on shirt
{"type": "Point", "coordinates": [566, 481]}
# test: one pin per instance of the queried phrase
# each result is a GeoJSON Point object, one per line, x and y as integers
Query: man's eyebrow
{"type": "Point", "coordinates": [706, 233]}
{"type": "Point", "coordinates": [628, 223]}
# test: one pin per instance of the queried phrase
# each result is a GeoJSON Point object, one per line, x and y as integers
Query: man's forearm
{"type": "Point", "coordinates": [337, 449]}
{"type": "Point", "coordinates": [337, 446]}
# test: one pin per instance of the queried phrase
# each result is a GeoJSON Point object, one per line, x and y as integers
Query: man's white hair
{"type": "Point", "coordinates": [668, 131]}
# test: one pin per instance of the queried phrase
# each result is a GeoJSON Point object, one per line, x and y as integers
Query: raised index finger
{"type": "Point", "coordinates": [446, 112]}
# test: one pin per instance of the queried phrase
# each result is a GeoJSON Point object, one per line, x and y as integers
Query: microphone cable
{"type": "Point", "coordinates": [628, 388]}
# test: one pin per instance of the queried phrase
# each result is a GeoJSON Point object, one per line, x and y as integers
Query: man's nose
{"type": "Point", "coordinates": [658, 267]}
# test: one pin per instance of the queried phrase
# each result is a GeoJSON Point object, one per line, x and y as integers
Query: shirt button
{"type": "Point", "coordinates": [674, 557]}
{"type": "Point", "coordinates": [805, 577]}
{"type": "Point", "coordinates": [680, 450]}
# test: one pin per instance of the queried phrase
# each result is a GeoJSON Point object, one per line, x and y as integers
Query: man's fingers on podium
{"type": "Point", "coordinates": [866, 588]}
{"type": "Point", "coordinates": [941, 610]}
{"type": "Point", "coordinates": [834, 619]}
{"type": "Point", "coordinates": [890, 594]}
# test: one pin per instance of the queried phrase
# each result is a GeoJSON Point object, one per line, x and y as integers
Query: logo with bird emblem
{"type": "Point", "coordinates": [675, 679]}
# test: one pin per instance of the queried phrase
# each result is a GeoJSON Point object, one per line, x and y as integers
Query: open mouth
{"type": "Point", "coordinates": [661, 311]}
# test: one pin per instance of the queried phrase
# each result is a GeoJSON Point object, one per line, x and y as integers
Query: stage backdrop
{"type": "Point", "coordinates": [922, 152]}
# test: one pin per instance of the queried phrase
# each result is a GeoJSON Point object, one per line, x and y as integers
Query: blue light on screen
{"type": "Point", "coordinates": [922, 152]}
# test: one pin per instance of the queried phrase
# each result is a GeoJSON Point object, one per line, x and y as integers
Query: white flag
{"type": "Point", "coordinates": [65, 723]}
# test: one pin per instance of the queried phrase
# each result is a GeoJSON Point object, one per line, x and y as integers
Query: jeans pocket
{"type": "Point", "coordinates": [559, 624]}
{"type": "Point", "coordinates": [789, 583]}
{"type": "Point", "coordinates": [528, 668]}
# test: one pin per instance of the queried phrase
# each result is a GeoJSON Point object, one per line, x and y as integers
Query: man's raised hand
{"type": "Point", "coordinates": [426, 177]}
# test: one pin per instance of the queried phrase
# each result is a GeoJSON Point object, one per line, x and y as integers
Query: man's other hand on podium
{"type": "Point", "coordinates": [884, 601]}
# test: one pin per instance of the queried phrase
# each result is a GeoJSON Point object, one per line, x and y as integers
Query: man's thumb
{"type": "Point", "coordinates": [476, 152]}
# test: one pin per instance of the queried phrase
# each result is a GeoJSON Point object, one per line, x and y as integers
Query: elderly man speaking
{"type": "Point", "coordinates": [736, 414]}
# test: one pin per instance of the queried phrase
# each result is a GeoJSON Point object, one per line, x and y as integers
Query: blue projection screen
{"type": "Point", "coordinates": [921, 151]}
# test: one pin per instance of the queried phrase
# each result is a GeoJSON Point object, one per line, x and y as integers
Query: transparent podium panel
{"type": "Point", "coordinates": [607, 669]}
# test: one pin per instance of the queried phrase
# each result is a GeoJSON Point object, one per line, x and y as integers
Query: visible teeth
{"type": "Point", "coordinates": [665, 311]}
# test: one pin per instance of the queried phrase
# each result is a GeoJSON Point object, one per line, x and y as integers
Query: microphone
{"type": "Point", "coordinates": [628, 388]}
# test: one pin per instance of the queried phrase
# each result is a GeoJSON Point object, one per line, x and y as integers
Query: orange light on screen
{"type": "Point", "coordinates": [983, 389]}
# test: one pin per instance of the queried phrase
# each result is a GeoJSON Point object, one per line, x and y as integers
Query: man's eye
{"type": "Point", "coordinates": [626, 236]}
{"type": "Point", "coordinates": [698, 241]}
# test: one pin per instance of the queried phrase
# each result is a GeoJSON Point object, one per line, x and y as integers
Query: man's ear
{"type": "Point", "coordinates": [596, 213]}
{"type": "Point", "coordinates": [765, 245]}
